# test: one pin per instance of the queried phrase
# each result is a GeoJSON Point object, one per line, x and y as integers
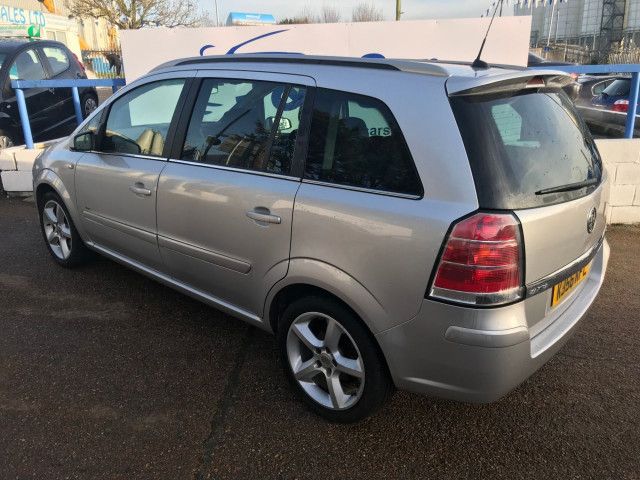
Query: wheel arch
{"type": "Point", "coordinates": [308, 277]}
{"type": "Point", "coordinates": [48, 181]}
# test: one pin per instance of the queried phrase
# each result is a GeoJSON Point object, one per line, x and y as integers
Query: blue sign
{"type": "Point", "coordinates": [238, 18]}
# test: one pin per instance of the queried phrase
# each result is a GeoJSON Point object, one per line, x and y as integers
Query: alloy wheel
{"type": "Point", "coordinates": [90, 104]}
{"type": "Point", "coordinates": [57, 229]}
{"type": "Point", "coordinates": [325, 360]}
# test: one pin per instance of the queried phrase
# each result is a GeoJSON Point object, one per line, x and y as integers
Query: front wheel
{"type": "Point", "coordinates": [59, 233]}
{"type": "Point", "coordinates": [89, 104]}
{"type": "Point", "coordinates": [331, 360]}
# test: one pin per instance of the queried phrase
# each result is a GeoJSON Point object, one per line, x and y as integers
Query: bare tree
{"type": "Point", "coordinates": [305, 15]}
{"type": "Point", "coordinates": [134, 14]}
{"type": "Point", "coordinates": [366, 12]}
{"type": "Point", "coordinates": [329, 14]}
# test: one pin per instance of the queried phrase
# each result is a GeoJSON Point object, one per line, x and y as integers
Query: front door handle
{"type": "Point", "coordinates": [139, 189]}
{"type": "Point", "coordinates": [263, 215]}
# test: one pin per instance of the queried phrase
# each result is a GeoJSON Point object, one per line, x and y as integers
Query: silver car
{"type": "Point", "coordinates": [424, 226]}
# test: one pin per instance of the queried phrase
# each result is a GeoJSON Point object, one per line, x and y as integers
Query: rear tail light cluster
{"type": "Point", "coordinates": [481, 262]}
{"type": "Point", "coordinates": [620, 106]}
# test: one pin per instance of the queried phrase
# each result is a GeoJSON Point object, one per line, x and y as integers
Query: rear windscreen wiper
{"type": "Point", "coordinates": [568, 187]}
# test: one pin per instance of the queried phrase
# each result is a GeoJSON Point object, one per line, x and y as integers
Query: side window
{"type": "Point", "coordinates": [355, 141]}
{"type": "Point", "coordinates": [138, 122]}
{"type": "Point", "coordinates": [27, 66]}
{"type": "Point", "coordinates": [237, 123]}
{"type": "Point", "coordinates": [57, 58]}
{"type": "Point", "coordinates": [93, 124]}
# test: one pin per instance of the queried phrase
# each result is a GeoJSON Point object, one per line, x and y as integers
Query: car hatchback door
{"type": "Point", "coordinates": [225, 200]}
{"type": "Point", "coordinates": [116, 183]}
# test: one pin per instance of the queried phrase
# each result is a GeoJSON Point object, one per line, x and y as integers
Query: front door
{"type": "Point", "coordinates": [225, 199]}
{"type": "Point", "coordinates": [117, 184]}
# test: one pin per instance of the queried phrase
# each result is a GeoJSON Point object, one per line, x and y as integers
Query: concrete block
{"type": "Point", "coordinates": [7, 160]}
{"type": "Point", "coordinates": [25, 158]}
{"type": "Point", "coordinates": [627, 215]}
{"type": "Point", "coordinates": [17, 181]}
{"type": "Point", "coordinates": [615, 151]}
{"type": "Point", "coordinates": [627, 174]}
{"type": "Point", "coordinates": [622, 195]}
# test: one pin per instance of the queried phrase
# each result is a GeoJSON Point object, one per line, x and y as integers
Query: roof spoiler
{"type": "Point", "coordinates": [506, 82]}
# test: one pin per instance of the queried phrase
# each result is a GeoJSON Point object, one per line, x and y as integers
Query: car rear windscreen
{"type": "Point", "coordinates": [521, 145]}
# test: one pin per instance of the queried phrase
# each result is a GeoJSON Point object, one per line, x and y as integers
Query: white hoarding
{"type": "Point", "coordinates": [456, 39]}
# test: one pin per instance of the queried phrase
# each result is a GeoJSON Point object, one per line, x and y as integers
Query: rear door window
{"type": "Point", "coordinates": [355, 141]}
{"type": "Point", "coordinates": [618, 87]}
{"type": "Point", "coordinates": [521, 144]}
{"type": "Point", "coordinates": [27, 66]}
{"type": "Point", "coordinates": [245, 124]}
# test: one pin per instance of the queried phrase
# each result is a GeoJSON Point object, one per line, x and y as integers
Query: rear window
{"type": "Point", "coordinates": [521, 145]}
{"type": "Point", "coordinates": [618, 87]}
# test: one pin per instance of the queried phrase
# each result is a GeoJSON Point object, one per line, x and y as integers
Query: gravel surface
{"type": "Point", "coordinates": [107, 374]}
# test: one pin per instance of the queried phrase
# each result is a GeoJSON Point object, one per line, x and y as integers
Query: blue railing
{"type": "Point", "coordinates": [21, 85]}
{"type": "Point", "coordinates": [633, 69]}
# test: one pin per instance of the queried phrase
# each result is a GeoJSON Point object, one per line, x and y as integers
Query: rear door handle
{"type": "Point", "coordinates": [263, 215]}
{"type": "Point", "coordinates": [139, 189]}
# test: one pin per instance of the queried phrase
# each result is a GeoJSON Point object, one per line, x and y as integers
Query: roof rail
{"type": "Point", "coordinates": [290, 58]}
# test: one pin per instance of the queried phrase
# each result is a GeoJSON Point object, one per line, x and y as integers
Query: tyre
{"type": "Point", "coordinates": [7, 138]}
{"type": "Point", "coordinates": [88, 102]}
{"type": "Point", "coordinates": [59, 233]}
{"type": "Point", "coordinates": [332, 360]}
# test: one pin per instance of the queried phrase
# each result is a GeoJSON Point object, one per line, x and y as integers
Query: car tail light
{"type": "Point", "coordinates": [481, 262]}
{"type": "Point", "coordinates": [574, 76]}
{"type": "Point", "coordinates": [621, 106]}
{"type": "Point", "coordinates": [80, 64]}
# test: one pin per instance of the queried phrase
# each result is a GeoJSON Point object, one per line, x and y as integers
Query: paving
{"type": "Point", "coordinates": [105, 374]}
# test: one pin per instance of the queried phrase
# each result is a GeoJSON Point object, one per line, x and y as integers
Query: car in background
{"type": "Point", "coordinates": [606, 113]}
{"type": "Point", "coordinates": [572, 89]}
{"type": "Point", "coordinates": [51, 111]}
{"type": "Point", "coordinates": [591, 86]}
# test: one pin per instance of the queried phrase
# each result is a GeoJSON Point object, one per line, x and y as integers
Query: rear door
{"type": "Point", "coordinates": [530, 152]}
{"type": "Point", "coordinates": [225, 199]}
{"type": "Point", "coordinates": [116, 184]}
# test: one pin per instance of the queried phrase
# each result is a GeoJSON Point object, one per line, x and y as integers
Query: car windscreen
{"type": "Point", "coordinates": [619, 87]}
{"type": "Point", "coordinates": [521, 145]}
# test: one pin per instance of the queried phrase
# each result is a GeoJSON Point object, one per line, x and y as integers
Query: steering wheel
{"type": "Point", "coordinates": [294, 100]}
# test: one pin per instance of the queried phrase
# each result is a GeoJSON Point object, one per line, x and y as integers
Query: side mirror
{"type": "Point", "coordinates": [285, 123]}
{"type": "Point", "coordinates": [84, 142]}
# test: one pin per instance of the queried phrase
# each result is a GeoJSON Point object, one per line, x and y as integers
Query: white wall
{"type": "Point", "coordinates": [457, 39]}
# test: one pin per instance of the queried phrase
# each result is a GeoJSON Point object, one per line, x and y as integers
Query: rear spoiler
{"type": "Point", "coordinates": [506, 82]}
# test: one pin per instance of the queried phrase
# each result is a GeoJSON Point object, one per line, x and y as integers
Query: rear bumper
{"type": "Point", "coordinates": [479, 355]}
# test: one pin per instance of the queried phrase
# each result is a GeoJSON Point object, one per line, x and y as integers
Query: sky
{"type": "Point", "coordinates": [413, 9]}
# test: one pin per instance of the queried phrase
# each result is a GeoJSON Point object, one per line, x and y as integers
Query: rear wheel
{"type": "Point", "coordinates": [331, 360]}
{"type": "Point", "coordinates": [89, 104]}
{"type": "Point", "coordinates": [7, 138]}
{"type": "Point", "coordinates": [60, 234]}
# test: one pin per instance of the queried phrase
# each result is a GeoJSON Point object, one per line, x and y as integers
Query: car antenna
{"type": "Point", "coordinates": [477, 63]}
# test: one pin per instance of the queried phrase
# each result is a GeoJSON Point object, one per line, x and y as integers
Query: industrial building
{"type": "Point", "coordinates": [599, 26]}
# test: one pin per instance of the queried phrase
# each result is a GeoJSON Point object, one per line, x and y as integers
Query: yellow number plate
{"type": "Point", "coordinates": [566, 286]}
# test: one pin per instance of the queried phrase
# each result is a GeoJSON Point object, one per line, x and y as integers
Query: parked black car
{"type": "Point", "coordinates": [51, 111]}
{"type": "Point", "coordinates": [592, 86]}
{"type": "Point", "coordinates": [606, 112]}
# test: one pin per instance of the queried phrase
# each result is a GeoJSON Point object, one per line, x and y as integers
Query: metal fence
{"type": "Point", "coordinates": [103, 63]}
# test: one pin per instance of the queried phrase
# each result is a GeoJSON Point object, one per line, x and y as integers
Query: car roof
{"type": "Point", "coordinates": [11, 44]}
{"type": "Point", "coordinates": [432, 67]}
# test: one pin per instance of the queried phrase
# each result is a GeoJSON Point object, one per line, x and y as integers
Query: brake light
{"type": "Point", "coordinates": [536, 82]}
{"type": "Point", "coordinates": [621, 106]}
{"type": "Point", "coordinates": [481, 263]}
{"type": "Point", "coordinates": [80, 64]}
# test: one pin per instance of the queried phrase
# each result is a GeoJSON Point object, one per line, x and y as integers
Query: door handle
{"type": "Point", "coordinates": [139, 189]}
{"type": "Point", "coordinates": [263, 215]}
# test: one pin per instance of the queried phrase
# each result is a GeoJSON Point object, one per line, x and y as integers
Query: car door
{"type": "Point", "coordinates": [225, 199]}
{"type": "Point", "coordinates": [116, 183]}
{"type": "Point", "coordinates": [27, 65]}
